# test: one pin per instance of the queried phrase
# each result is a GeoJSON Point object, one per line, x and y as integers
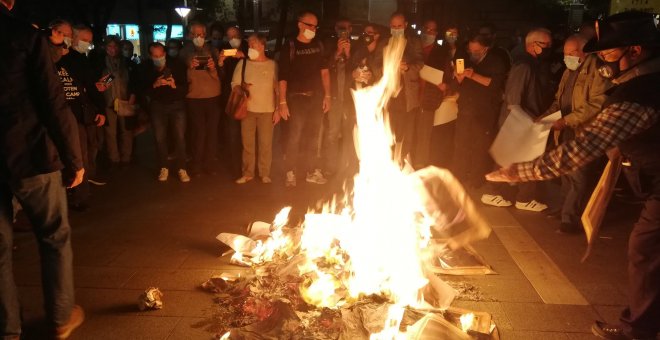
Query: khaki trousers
{"type": "Point", "coordinates": [259, 125]}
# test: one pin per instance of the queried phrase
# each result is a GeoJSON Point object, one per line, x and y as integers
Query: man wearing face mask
{"type": "Point", "coordinates": [77, 63]}
{"type": "Point", "coordinates": [173, 48]}
{"type": "Point", "coordinates": [405, 108]}
{"type": "Point", "coordinates": [480, 86]}
{"type": "Point", "coordinates": [163, 86]}
{"type": "Point", "coordinates": [87, 113]}
{"type": "Point", "coordinates": [628, 46]}
{"type": "Point", "coordinates": [217, 33]}
{"type": "Point", "coordinates": [305, 96]}
{"type": "Point", "coordinates": [231, 128]}
{"type": "Point", "coordinates": [202, 100]}
{"type": "Point", "coordinates": [528, 88]}
{"type": "Point", "coordinates": [580, 96]}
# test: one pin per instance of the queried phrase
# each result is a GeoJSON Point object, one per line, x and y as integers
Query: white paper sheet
{"type": "Point", "coordinates": [447, 112]}
{"type": "Point", "coordinates": [432, 75]}
{"type": "Point", "coordinates": [521, 139]}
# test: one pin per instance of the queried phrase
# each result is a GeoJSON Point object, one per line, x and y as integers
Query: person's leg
{"type": "Point", "coordinates": [422, 137]}
{"type": "Point", "coordinates": [248, 133]}
{"type": "Point", "coordinates": [212, 109]}
{"type": "Point", "coordinates": [462, 148]}
{"type": "Point", "coordinates": [110, 133]}
{"type": "Point", "coordinates": [126, 139]}
{"type": "Point", "coordinates": [10, 319]}
{"type": "Point", "coordinates": [296, 124]}
{"type": "Point", "coordinates": [330, 149]}
{"type": "Point", "coordinates": [43, 199]}
{"type": "Point", "coordinates": [314, 121]}
{"type": "Point", "coordinates": [159, 121]}
{"type": "Point", "coordinates": [197, 131]}
{"type": "Point", "coordinates": [178, 124]}
{"type": "Point", "coordinates": [265, 140]}
{"type": "Point", "coordinates": [526, 192]}
{"type": "Point", "coordinates": [93, 133]}
{"type": "Point", "coordinates": [575, 190]}
{"type": "Point", "coordinates": [482, 161]}
{"type": "Point", "coordinates": [641, 317]}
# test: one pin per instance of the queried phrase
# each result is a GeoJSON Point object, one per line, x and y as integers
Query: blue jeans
{"type": "Point", "coordinates": [164, 115]}
{"type": "Point", "coordinates": [43, 198]}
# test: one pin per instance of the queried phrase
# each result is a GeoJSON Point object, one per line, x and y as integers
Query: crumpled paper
{"type": "Point", "coordinates": [151, 299]}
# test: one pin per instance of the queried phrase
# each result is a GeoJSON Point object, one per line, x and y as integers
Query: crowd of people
{"type": "Point", "coordinates": [67, 103]}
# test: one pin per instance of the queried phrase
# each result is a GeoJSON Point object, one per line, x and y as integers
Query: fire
{"type": "Point", "coordinates": [466, 321]}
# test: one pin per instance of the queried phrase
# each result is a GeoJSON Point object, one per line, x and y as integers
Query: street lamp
{"type": "Point", "coordinates": [183, 12]}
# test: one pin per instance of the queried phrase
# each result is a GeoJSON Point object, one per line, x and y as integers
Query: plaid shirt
{"type": "Point", "coordinates": [615, 124]}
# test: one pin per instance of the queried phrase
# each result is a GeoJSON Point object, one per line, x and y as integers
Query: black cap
{"type": "Point", "coordinates": [624, 29]}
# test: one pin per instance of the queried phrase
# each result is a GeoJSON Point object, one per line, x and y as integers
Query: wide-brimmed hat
{"type": "Point", "coordinates": [624, 29]}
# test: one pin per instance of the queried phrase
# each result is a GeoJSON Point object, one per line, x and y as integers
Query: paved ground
{"type": "Point", "coordinates": [142, 233]}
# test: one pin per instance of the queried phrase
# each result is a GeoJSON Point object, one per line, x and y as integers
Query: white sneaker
{"type": "Point", "coordinates": [164, 173]}
{"type": "Point", "coordinates": [183, 176]}
{"type": "Point", "coordinates": [531, 206]}
{"type": "Point", "coordinates": [316, 177]}
{"type": "Point", "coordinates": [495, 200]}
{"type": "Point", "coordinates": [243, 180]}
{"type": "Point", "coordinates": [266, 180]}
{"type": "Point", "coordinates": [290, 179]}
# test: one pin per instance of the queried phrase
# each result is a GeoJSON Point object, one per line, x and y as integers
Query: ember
{"type": "Point", "coordinates": [362, 268]}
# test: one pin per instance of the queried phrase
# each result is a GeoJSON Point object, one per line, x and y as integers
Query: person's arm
{"type": "Point", "coordinates": [595, 97]}
{"type": "Point", "coordinates": [52, 109]}
{"type": "Point", "coordinates": [615, 124]}
{"type": "Point", "coordinates": [327, 97]}
{"type": "Point", "coordinates": [283, 75]}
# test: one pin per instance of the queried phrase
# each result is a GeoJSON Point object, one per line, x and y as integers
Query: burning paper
{"type": "Point", "coordinates": [150, 299]}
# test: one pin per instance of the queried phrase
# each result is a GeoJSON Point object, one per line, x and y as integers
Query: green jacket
{"type": "Point", "coordinates": [588, 93]}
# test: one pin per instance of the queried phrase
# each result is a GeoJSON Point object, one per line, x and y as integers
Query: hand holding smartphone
{"type": "Point", "coordinates": [230, 52]}
{"type": "Point", "coordinates": [460, 66]}
{"type": "Point", "coordinates": [202, 62]}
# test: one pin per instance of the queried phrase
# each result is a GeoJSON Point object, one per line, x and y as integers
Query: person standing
{"type": "Point", "coordinates": [528, 88]}
{"type": "Point", "coordinates": [480, 86]}
{"type": "Point", "coordinates": [39, 156]}
{"type": "Point", "coordinates": [580, 96]}
{"type": "Point", "coordinates": [164, 88]}
{"type": "Point", "coordinates": [405, 107]}
{"type": "Point", "coordinates": [304, 80]}
{"type": "Point", "coordinates": [118, 132]}
{"type": "Point", "coordinates": [202, 100]}
{"type": "Point", "coordinates": [262, 86]}
{"type": "Point", "coordinates": [628, 46]}
{"type": "Point", "coordinates": [86, 111]}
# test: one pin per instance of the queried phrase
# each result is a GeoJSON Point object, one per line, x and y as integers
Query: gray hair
{"type": "Point", "coordinates": [536, 34]}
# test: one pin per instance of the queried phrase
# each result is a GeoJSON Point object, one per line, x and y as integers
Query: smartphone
{"type": "Point", "coordinates": [109, 79]}
{"type": "Point", "coordinates": [343, 34]}
{"type": "Point", "coordinates": [230, 52]}
{"type": "Point", "coordinates": [460, 66]}
{"type": "Point", "coordinates": [167, 73]}
{"type": "Point", "coordinates": [202, 60]}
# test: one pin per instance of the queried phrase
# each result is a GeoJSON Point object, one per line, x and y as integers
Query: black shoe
{"type": "Point", "coordinates": [614, 332]}
{"type": "Point", "coordinates": [568, 228]}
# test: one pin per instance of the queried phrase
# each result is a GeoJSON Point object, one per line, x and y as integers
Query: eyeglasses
{"type": "Point", "coordinates": [309, 25]}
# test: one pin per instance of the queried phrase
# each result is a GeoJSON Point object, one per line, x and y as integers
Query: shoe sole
{"type": "Point", "coordinates": [486, 202]}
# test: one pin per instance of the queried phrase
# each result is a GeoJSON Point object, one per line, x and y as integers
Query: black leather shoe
{"type": "Point", "coordinates": [615, 332]}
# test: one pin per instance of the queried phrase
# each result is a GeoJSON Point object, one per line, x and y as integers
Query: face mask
{"type": "Point", "coordinates": [428, 39]}
{"type": "Point", "coordinates": [127, 54]}
{"type": "Point", "coordinates": [397, 32]}
{"type": "Point", "coordinates": [159, 62]}
{"type": "Point", "coordinates": [253, 54]}
{"type": "Point", "coordinates": [477, 57]}
{"type": "Point", "coordinates": [82, 47]}
{"type": "Point", "coordinates": [198, 41]}
{"type": "Point", "coordinates": [572, 62]}
{"type": "Point", "coordinates": [173, 52]}
{"type": "Point", "coordinates": [610, 69]}
{"type": "Point", "coordinates": [450, 39]}
{"type": "Point", "coordinates": [235, 42]}
{"type": "Point", "coordinates": [67, 42]}
{"type": "Point", "coordinates": [368, 39]}
{"type": "Point", "coordinates": [309, 34]}
{"type": "Point", "coordinates": [542, 52]}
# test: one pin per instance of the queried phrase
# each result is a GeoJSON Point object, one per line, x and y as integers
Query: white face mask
{"type": "Point", "coordinates": [82, 47]}
{"type": "Point", "coordinates": [572, 62]}
{"type": "Point", "coordinates": [198, 41]}
{"type": "Point", "coordinates": [67, 42]}
{"type": "Point", "coordinates": [427, 39]}
{"type": "Point", "coordinates": [159, 62]}
{"type": "Point", "coordinates": [397, 32]}
{"type": "Point", "coordinates": [253, 54]}
{"type": "Point", "coordinates": [234, 42]}
{"type": "Point", "coordinates": [309, 34]}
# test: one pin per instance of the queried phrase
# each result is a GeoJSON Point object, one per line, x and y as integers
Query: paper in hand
{"type": "Point", "coordinates": [432, 75]}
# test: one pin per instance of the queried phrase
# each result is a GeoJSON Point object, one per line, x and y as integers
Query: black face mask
{"type": "Point", "coordinates": [610, 69]}
{"type": "Point", "coordinates": [546, 53]}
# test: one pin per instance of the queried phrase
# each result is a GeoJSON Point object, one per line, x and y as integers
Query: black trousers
{"type": "Point", "coordinates": [204, 115]}
{"type": "Point", "coordinates": [642, 317]}
{"type": "Point", "coordinates": [471, 143]}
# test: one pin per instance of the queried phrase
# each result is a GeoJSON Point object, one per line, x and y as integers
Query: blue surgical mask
{"type": "Point", "coordinates": [159, 62]}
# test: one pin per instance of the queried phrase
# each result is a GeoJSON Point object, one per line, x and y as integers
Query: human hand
{"type": "Point", "coordinates": [99, 119]}
{"type": "Point", "coordinates": [442, 87]}
{"type": "Point", "coordinates": [326, 104]}
{"type": "Point", "coordinates": [77, 179]}
{"type": "Point", "coordinates": [503, 175]}
{"type": "Point", "coordinates": [468, 73]}
{"type": "Point", "coordinates": [284, 111]}
{"type": "Point", "coordinates": [239, 54]}
{"type": "Point", "coordinates": [160, 81]}
{"type": "Point", "coordinates": [194, 63]}
{"type": "Point", "coordinates": [403, 67]}
{"type": "Point", "coordinates": [560, 124]}
{"type": "Point", "coordinates": [276, 116]}
{"type": "Point", "coordinates": [210, 64]}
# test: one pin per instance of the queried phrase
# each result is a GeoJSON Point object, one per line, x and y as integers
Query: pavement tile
{"type": "Point", "coordinates": [179, 279]}
{"type": "Point", "coordinates": [494, 308]}
{"type": "Point", "coordinates": [549, 318]}
{"type": "Point", "coordinates": [112, 327]}
{"type": "Point", "coordinates": [149, 256]}
{"type": "Point", "coordinates": [506, 334]}
{"type": "Point", "coordinates": [101, 277]}
{"type": "Point", "coordinates": [503, 288]}
{"type": "Point", "coordinates": [180, 303]}
{"type": "Point", "coordinates": [85, 254]}
{"type": "Point", "coordinates": [602, 293]}
{"type": "Point", "coordinates": [609, 314]}
{"type": "Point", "coordinates": [195, 328]}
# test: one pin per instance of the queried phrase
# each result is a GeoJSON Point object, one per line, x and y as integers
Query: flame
{"type": "Point", "coordinates": [466, 321]}
{"type": "Point", "coordinates": [225, 336]}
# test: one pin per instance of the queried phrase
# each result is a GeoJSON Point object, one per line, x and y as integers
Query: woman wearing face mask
{"type": "Point", "coordinates": [262, 86]}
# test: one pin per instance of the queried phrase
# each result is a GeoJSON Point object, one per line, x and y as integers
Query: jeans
{"type": "Point", "coordinates": [303, 132]}
{"type": "Point", "coordinates": [169, 117]}
{"type": "Point", "coordinates": [43, 198]}
{"type": "Point", "coordinates": [118, 150]}
{"type": "Point", "coordinates": [259, 125]}
{"type": "Point", "coordinates": [204, 114]}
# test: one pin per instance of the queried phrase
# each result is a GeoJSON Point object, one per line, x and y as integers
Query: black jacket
{"type": "Point", "coordinates": [38, 132]}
